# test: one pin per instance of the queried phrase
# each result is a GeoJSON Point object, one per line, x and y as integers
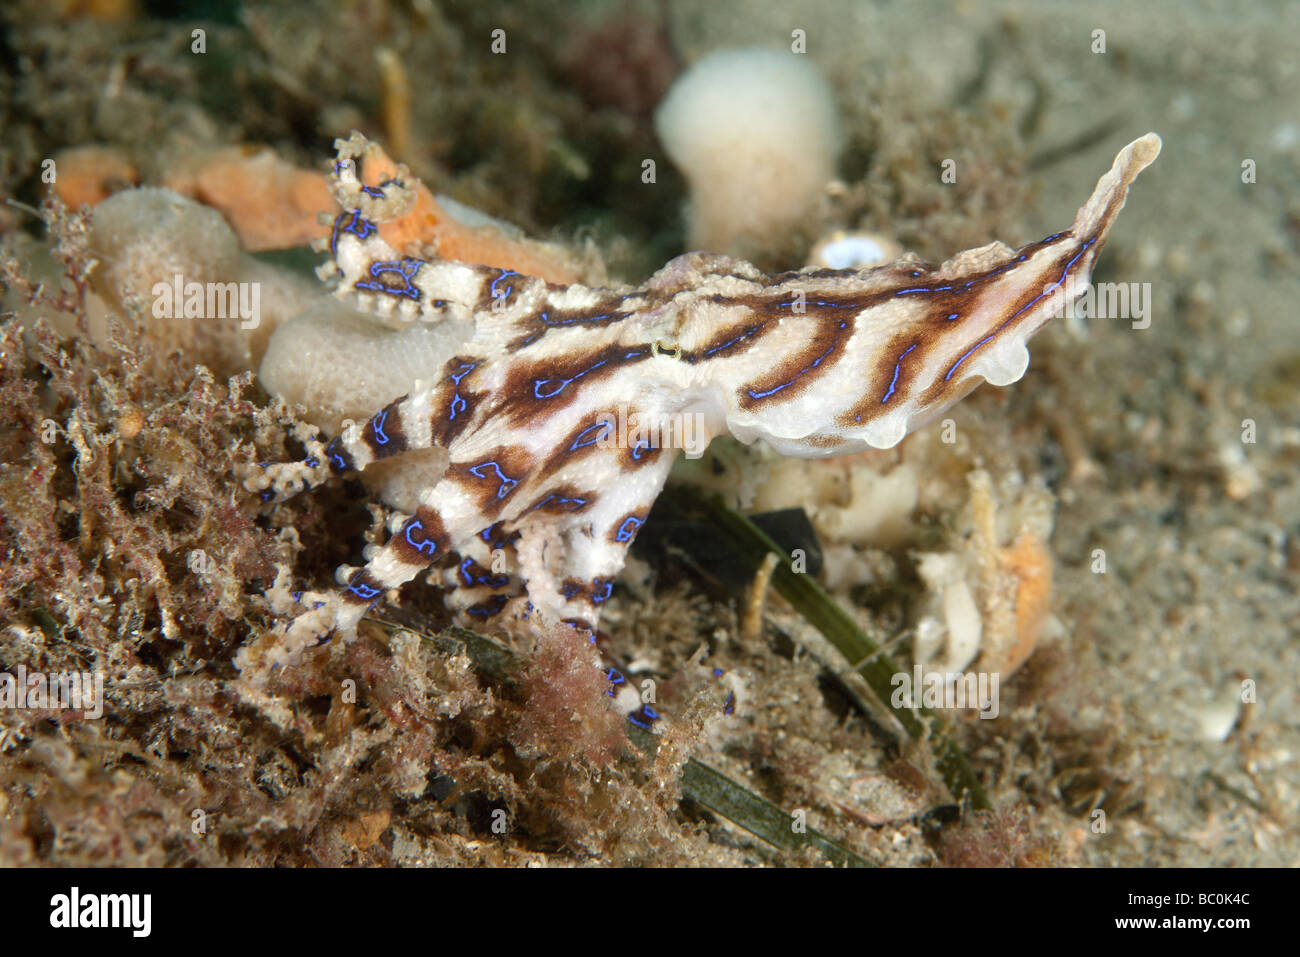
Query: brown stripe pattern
{"type": "Point", "coordinates": [531, 404]}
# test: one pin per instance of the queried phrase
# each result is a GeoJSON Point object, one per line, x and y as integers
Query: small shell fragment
{"type": "Point", "coordinates": [854, 250]}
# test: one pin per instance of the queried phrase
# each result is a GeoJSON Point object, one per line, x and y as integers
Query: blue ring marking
{"type": "Point", "coordinates": [297, 596]}
{"type": "Point", "coordinates": [606, 590]}
{"type": "Point", "coordinates": [493, 290]}
{"type": "Point", "coordinates": [458, 403]}
{"type": "Point", "coordinates": [487, 533]}
{"type": "Point", "coordinates": [952, 316]}
{"type": "Point", "coordinates": [923, 289]}
{"type": "Point", "coordinates": [1064, 272]}
{"type": "Point", "coordinates": [570, 589]}
{"type": "Point", "coordinates": [357, 226]}
{"type": "Point", "coordinates": [897, 366]}
{"type": "Point", "coordinates": [334, 451]}
{"type": "Point", "coordinates": [651, 716]}
{"type": "Point", "coordinates": [362, 590]}
{"type": "Point", "coordinates": [311, 462]}
{"type": "Point", "coordinates": [824, 303]}
{"type": "Point", "coordinates": [372, 191]}
{"type": "Point", "coordinates": [507, 483]}
{"type": "Point", "coordinates": [428, 546]}
{"type": "Point", "coordinates": [641, 446]}
{"type": "Point", "coordinates": [406, 268]}
{"type": "Point", "coordinates": [377, 423]}
{"type": "Point", "coordinates": [578, 502]}
{"type": "Point", "coordinates": [579, 443]}
{"type": "Point", "coordinates": [784, 385]}
{"type": "Point", "coordinates": [967, 353]}
{"type": "Point", "coordinates": [993, 272]}
{"type": "Point", "coordinates": [538, 383]}
{"type": "Point", "coordinates": [614, 677]}
{"type": "Point", "coordinates": [547, 320]}
{"type": "Point", "coordinates": [908, 292]}
{"type": "Point", "coordinates": [744, 335]}
{"type": "Point", "coordinates": [625, 534]}
{"type": "Point", "coordinates": [488, 608]}
{"type": "Point", "coordinates": [490, 581]}
{"type": "Point", "coordinates": [731, 704]}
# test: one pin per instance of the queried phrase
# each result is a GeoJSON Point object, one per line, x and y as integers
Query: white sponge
{"type": "Point", "coordinates": [755, 132]}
